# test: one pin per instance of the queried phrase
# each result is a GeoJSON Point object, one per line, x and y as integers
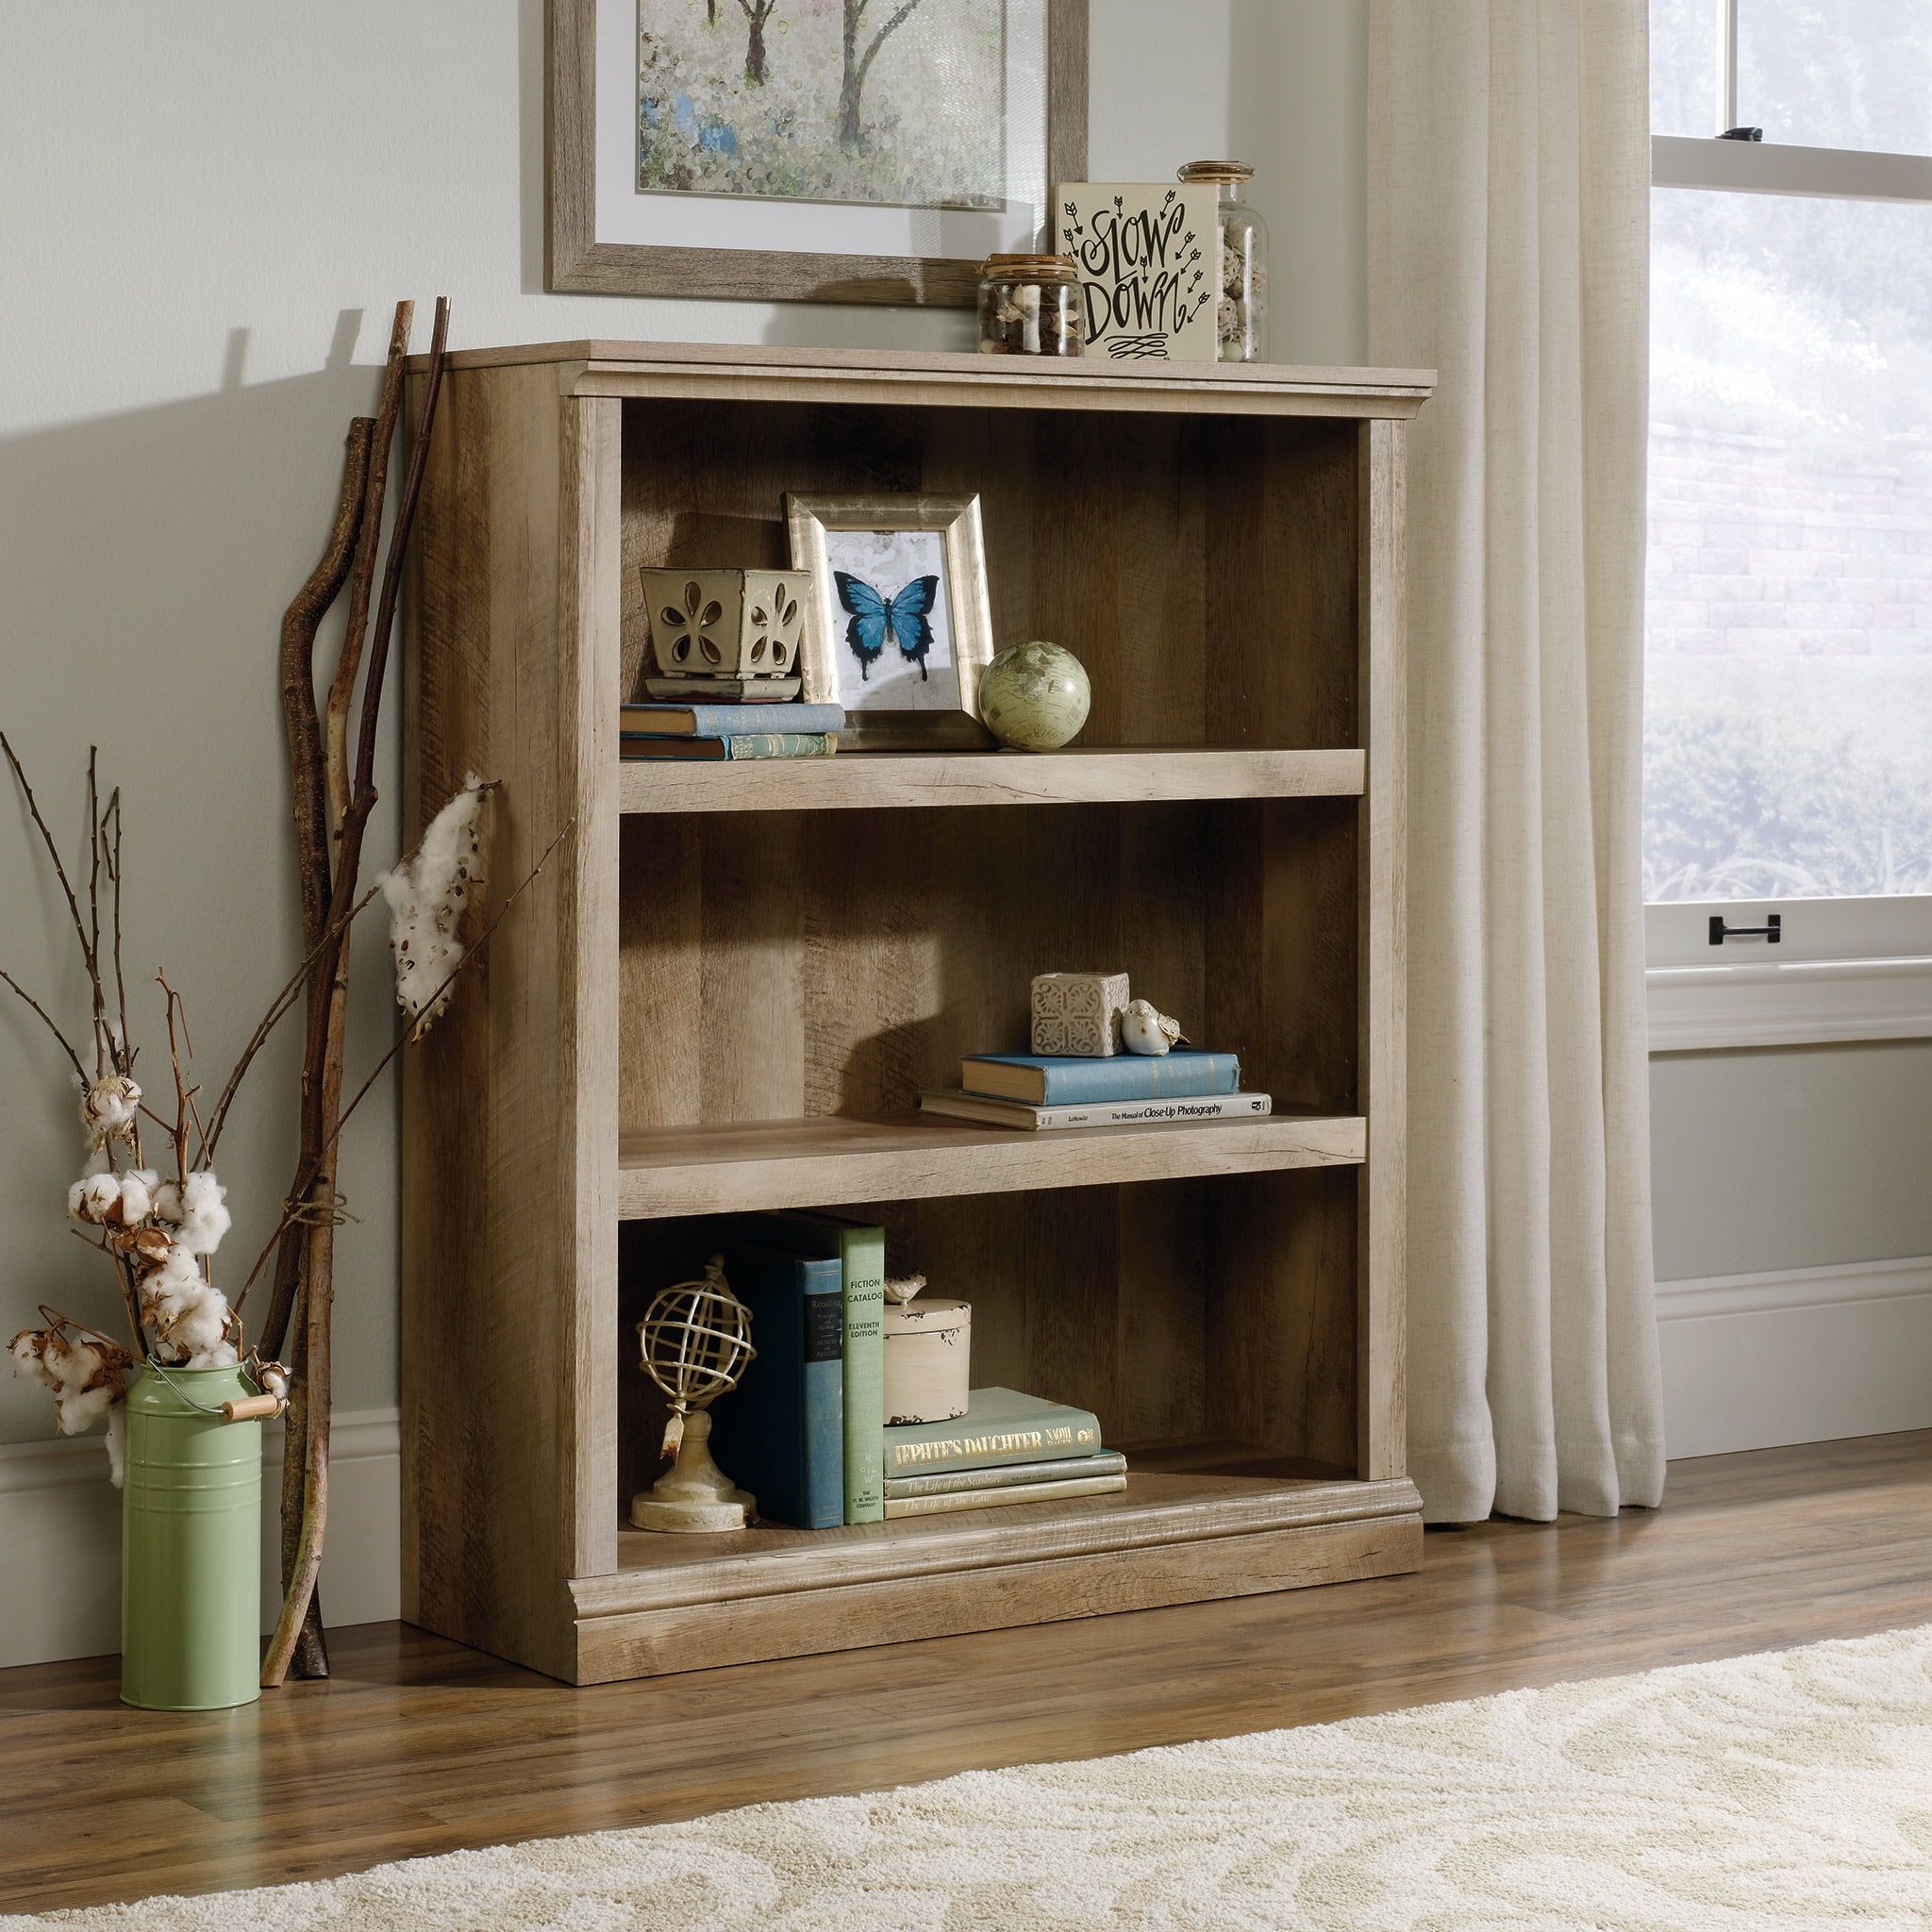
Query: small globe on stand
{"type": "Point", "coordinates": [1034, 696]}
{"type": "Point", "coordinates": [694, 1342]}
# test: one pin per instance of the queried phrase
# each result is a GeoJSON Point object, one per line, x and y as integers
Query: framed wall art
{"type": "Point", "coordinates": [903, 627]}
{"type": "Point", "coordinates": [806, 150]}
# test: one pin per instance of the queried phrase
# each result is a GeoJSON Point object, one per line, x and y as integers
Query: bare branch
{"type": "Point", "coordinates": [298, 1194]}
{"type": "Point", "coordinates": [341, 691]}
{"type": "Point", "coordinates": [53, 851]}
{"type": "Point", "coordinates": [182, 1103]}
{"type": "Point", "coordinates": [42, 1010]}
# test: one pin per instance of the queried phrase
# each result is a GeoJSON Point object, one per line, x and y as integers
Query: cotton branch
{"type": "Point", "coordinates": [298, 1200]}
{"type": "Point", "coordinates": [80, 1072]}
{"type": "Point", "coordinates": [53, 853]}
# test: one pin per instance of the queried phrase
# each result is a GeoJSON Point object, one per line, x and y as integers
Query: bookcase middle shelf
{"type": "Point", "coordinates": [1149, 775]}
{"type": "Point", "coordinates": [743, 1166]}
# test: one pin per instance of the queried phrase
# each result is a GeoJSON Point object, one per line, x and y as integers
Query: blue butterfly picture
{"type": "Point", "coordinates": [874, 620]}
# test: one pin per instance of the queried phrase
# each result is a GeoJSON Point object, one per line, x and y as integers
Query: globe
{"type": "Point", "coordinates": [1034, 696]}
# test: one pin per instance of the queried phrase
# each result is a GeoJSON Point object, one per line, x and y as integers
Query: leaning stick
{"type": "Point", "coordinates": [342, 689]}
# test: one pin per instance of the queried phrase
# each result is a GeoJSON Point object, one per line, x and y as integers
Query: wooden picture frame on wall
{"type": "Point", "coordinates": [584, 256]}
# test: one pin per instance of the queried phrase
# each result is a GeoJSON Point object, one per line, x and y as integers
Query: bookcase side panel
{"type": "Point", "coordinates": [1382, 1182]}
{"type": "Point", "coordinates": [510, 1107]}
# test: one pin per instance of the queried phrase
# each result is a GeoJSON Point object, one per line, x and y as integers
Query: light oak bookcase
{"type": "Point", "coordinates": [730, 983]}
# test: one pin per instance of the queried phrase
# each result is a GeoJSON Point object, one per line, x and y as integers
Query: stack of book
{"type": "Point", "coordinates": [1006, 1448]}
{"type": "Point", "coordinates": [804, 1429]}
{"type": "Point", "coordinates": [1042, 1090]}
{"type": "Point", "coordinates": [729, 731]}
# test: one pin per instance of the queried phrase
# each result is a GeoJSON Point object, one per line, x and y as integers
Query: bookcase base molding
{"type": "Point", "coordinates": [731, 983]}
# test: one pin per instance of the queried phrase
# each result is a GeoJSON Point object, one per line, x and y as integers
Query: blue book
{"type": "Point", "coordinates": [781, 1432]}
{"type": "Point", "coordinates": [859, 1251]}
{"type": "Point", "coordinates": [1066, 1080]}
{"type": "Point", "coordinates": [726, 720]}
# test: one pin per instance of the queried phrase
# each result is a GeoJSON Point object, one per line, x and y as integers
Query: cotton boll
{"type": "Point", "coordinates": [94, 1197]}
{"type": "Point", "coordinates": [275, 1381]}
{"type": "Point", "coordinates": [29, 1350]}
{"type": "Point", "coordinates": [108, 1107]}
{"type": "Point", "coordinates": [167, 1198]}
{"type": "Point", "coordinates": [137, 1194]}
{"type": "Point", "coordinates": [427, 898]}
{"type": "Point", "coordinates": [79, 1408]}
{"type": "Point", "coordinates": [205, 1218]}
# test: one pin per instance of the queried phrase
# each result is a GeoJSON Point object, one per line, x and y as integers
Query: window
{"type": "Point", "coordinates": [1787, 732]}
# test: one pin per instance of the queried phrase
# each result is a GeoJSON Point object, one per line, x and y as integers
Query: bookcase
{"type": "Point", "coordinates": [732, 979]}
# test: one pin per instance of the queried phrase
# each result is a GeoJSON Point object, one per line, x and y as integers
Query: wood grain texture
{"type": "Point", "coordinates": [751, 1165]}
{"type": "Point", "coordinates": [417, 1746]}
{"type": "Point", "coordinates": [744, 986]}
{"type": "Point", "coordinates": [661, 1573]}
{"type": "Point", "coordinates": [577, 263]}
{"type": "Point", "coordinates": [594, 361]}
{"type": "Point", "coordinates": [1382, 1083]}
{"type": "Point", "coordinates": [508, 1441]}
{"type": "Point", "coordinates": [839, 1617]}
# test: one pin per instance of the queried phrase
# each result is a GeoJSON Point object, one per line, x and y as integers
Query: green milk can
{"type": "Point", "coordinates": [191, 1544]}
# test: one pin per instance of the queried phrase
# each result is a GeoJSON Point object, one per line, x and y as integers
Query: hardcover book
{"type": "Point", "coordinates": [860, 1252]}
{"type": "Point", "coordinates": [724, 721]}
{"type": "Point", "coordinates": [752, 744]}
{"type": "Point", "coordinates": [954, 1105]}
{"type": "Point", "coordinates": [1000, 1426]}
{"type": "Point", "coordinates": [947, 1501]}
{"type": "Point", "coordinates": [781, 1432]}
{"type": "Point", "coordinates": [1061, 1080]}
{"type": "Point", "coordinates": [946, 1482]}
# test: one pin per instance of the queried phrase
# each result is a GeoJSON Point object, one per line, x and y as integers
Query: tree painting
{"type": "Point", "coordinates": [895, 102]}
{"type": "Point", "coordinates": [757, 12]}
{"type": "Point", "coordinates": [858, 65]}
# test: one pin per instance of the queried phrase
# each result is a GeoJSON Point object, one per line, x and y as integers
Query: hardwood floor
{"type": "Point", "coordinates": [418, 1746]}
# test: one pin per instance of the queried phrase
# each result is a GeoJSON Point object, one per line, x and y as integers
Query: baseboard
{"type": "Point", "coordinates": [61, 1527]}
{"type": "Point", "coordinates": [1799, 1355]}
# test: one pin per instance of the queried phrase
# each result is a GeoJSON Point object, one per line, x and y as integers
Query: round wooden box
{"type": "Point", "coordinates": [929, 1359]}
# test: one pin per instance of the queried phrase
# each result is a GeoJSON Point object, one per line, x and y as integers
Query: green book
{"type": "Point", "coordinates": [1000, 1426]}
{"type": "Point", "coordinates": [860, 1251]}
{"type": "Point", "coordinates": [1010, 1475]}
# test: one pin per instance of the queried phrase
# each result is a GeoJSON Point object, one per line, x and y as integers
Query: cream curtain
{"type": "Point", "coordinates": [1509, 223]}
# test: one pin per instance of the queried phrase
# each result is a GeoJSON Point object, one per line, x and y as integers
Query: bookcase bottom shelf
{"type": "Point", "coordinates": [690, 1602]}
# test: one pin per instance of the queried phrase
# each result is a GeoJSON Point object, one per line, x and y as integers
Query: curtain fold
{"type": "Point", "coordinates": [1508, 248]}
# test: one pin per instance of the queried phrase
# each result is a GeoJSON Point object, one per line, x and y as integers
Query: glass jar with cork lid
{"type": "Point", "coordinates": [1029, 305]}
{"type": "Point", "coordinates": [1241, 332]}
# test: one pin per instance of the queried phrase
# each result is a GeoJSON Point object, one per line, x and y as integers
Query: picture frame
{"type": "Point", "coordinates": [908, 674]}
{"type": "Point", "coordinates": [603, 231]}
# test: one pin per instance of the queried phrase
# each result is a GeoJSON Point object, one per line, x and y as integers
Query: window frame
{"type": "Point", "coordinates": [1843, 968]}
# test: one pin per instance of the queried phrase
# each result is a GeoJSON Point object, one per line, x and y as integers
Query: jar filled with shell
{"type": "Point", "coordinates": [1242, 331]}
{"type": "Point", "coordinates": [1029, 305]}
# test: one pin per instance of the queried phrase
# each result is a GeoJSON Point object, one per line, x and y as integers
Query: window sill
{"type": "Point", "coordinates": [1802, 1003]}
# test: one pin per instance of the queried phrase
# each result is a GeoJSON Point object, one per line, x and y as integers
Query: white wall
{"type": "Point", "coordinates": [211, 208]}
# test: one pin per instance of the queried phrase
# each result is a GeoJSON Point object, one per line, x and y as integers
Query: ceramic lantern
{"type": "Point", "coordinates": [728, 625]}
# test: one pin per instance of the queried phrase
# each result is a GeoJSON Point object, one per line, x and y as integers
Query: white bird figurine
{"type": "Point", "coordinates": [1144, 1030]}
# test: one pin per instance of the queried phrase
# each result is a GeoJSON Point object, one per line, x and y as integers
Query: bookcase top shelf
{"type": "Point", "coordinates": [743, 1166]}
{"type": "Point", "coordinates": [731, 372]}
{"type": "Point", "coordinates": [861, 780]}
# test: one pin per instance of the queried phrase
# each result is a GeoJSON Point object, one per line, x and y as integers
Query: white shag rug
{"type": "Point", "coordinates": [1785, 1792]}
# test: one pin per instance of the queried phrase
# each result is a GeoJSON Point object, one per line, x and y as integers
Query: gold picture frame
{"type": "Point", "coordinates": [578, 261]}
{"type": "Point", "coordinates": [862, 538]}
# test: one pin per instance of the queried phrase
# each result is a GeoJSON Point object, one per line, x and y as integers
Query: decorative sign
{"type": "Point", "coordinates": [1149, 264]}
